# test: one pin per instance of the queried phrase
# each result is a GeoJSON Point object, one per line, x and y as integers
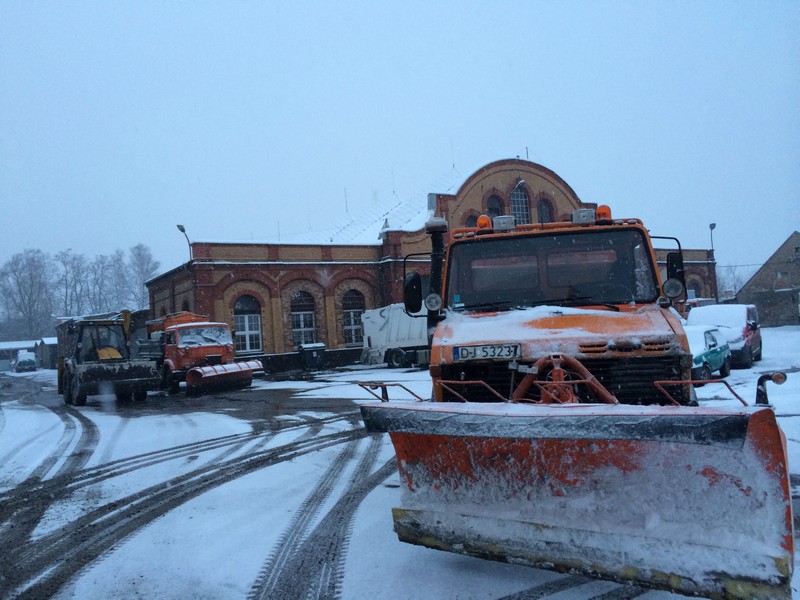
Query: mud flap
{"type": "Point", "coordinates": [678, 498]}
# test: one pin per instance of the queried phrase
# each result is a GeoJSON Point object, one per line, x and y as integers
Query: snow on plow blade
{"type": "Point", "coordinates": [237, 374]}
{"type": "Point", "coordinates": [686, 499]}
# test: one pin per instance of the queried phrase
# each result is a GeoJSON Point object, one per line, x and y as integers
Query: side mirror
{"type": "Point", "coordinates": [412, 292]}
{"type": "Point", "coordinates": [675, 266]}
{"type": "Point", "coordinates": [752, 325]}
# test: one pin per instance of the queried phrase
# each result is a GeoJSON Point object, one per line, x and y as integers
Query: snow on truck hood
{"type": "Point", "coordinates": [552, 329]}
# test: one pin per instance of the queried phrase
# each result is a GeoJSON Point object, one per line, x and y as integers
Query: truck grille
{"type": "Point", "coordinates": [629, 379]}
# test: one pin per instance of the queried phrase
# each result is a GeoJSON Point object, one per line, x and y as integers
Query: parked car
{"type": "Point", "coordinates": [740, 326]}
{"type": "Point", "coordinates": [710, 351]}
{"type": "Point", "coordinates": [26, 361]}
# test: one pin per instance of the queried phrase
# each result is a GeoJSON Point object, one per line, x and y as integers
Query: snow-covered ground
{"type": "Point", "coordinates": [224, 526]}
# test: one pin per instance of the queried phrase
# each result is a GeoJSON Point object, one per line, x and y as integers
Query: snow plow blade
{"type": "Point", "coordinates": [237, 374]}
{"type": "Point", "coordinates": [692, 500]}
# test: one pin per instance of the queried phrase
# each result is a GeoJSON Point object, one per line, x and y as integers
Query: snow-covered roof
{"type": "Point", "coordinates": [19, 345]}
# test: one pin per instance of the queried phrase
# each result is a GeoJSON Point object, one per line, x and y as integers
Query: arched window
{"type": "Point", "coordinates": [545, 210]}
{"type": "Point", "coordinates": [472, 221]}
{"type": "Point", "coordinates": [494, 206]}
{"type": "Point", "coordinates": [520, 207]}
{"type": "Point", "coordinates": [247, 323]}
{"type": "Point", "coordinates": [352, 308]}
{"type": "Point", "coordinates": [302, 313]}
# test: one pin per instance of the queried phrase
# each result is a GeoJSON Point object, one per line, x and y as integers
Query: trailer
{"type": "Point", "coordinates": [395, 337]}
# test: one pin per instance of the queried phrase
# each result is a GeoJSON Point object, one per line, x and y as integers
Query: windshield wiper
{"type": "Point", "coordinates": [488, 306]}
{"type": "Point", "coordinates": [578, 301]}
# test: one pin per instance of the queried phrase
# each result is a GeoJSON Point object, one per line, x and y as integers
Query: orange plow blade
{"type": "Point", "coordinates": [237, 374]}
{"type": "Point", "coordinates": [686, 499]}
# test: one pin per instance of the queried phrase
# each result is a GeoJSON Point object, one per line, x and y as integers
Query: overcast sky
{"type": "Point", "coordinates": [241, 120]}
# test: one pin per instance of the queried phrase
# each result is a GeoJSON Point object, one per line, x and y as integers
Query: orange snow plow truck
{"type": "Point", "coordinates": [563, 431]}
{"type": "Point", "coordinates": [188, 347]}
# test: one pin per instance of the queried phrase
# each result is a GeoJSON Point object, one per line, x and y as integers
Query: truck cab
{"type": "Point", "coordinates": [187, 340]}
{"type": "Point", "coordinates": [588, 289]}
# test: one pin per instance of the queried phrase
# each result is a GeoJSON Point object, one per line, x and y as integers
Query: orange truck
{"type": "Point", "coordinates": [190, 348]}
{"type": "Point", "coordinates": [516, 298]}
{"type": "Point", "coordinates": [563, 431]}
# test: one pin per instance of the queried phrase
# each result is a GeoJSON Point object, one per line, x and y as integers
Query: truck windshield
{"type": "Point", "coordinates": [564, 269]}
{"type": "Point", "coordinates": [204, 335]}
{"type": "Point", "coordinates": [104, 342]}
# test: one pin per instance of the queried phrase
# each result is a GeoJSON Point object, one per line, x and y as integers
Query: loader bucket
{"type": "Point", "coordinates": [693, 500]}
{"type": "Point", "coordinates": [237, 374]}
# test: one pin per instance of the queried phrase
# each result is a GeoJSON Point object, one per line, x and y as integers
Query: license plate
{"type": "Point", "coordinates": [488, 351]}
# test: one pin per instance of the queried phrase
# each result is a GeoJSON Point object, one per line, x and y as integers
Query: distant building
{"type": "Point", "coordinates": [8, 352]}
{"type": "Point", "coordinates": [775, 287]}
{"type": "Point", "coordinates": [279, 295]}
{"type": "Point", "coordinates": [46, 351]}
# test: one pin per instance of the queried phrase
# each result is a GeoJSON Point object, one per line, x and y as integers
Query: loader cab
{"type": "Point", "coordinates": [102, 342]}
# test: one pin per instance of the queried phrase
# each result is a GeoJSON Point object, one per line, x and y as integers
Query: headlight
{"type": "Point", "coordinates": [433, 302]}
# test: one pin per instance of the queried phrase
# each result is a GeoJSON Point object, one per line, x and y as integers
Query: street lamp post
{"type": "Point", "coordinates": [182, 229]}
{"type": "Point", "coordinates": [711, 227]}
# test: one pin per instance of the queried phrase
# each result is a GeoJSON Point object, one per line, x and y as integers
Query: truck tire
{"type": "Point", "coordinates": [78, 397]}
{"type": "Point", "coordinates": [168, 382]}
{"type": "Point", "coordinates": [67, 385]}
{"type": "Point", "coordinates": [396, 358]}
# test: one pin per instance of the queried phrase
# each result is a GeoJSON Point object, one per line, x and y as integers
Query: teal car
{"type": "Point", "coordinates": [710, 352]}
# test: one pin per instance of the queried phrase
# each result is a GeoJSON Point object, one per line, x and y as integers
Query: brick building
{"type": "Point", "coordinates": [775, 287]}
{"type": "Point", "coordinates": [280, 295]}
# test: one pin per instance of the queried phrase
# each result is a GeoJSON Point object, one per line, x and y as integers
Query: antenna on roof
{"type": "Point", "coordinates": [346, 211]}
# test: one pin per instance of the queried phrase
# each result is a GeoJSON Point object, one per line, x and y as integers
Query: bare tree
{"type": "Point", "coordinates": [33, 285]}
{"type": "Point", "coordinates": [119, 292]}
{"type": "Point", "coordinates": [141, 268]}
{"type": "Point", "coordinates": [26, 285]}
{"type": "Point", "coordinates": [71, 283]}
{"type": "Point", "coordinates": [98, 284]}
{"type": "Point", "coordinates": [730, 280]}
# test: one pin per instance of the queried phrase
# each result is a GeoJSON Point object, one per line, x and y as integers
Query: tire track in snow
{"type": "Point", "coordinates": [74, 481]}
{"type": "Point", "coordinates": [571, 584]}
{"type": "Point", "coordinates": [316, 566]}
{"type": "Point", "coordinates": [298, 527]}
{"type": "Point", "coordinates": [43, 566]}
{"type": "Point", "coordinates": [19, 519]}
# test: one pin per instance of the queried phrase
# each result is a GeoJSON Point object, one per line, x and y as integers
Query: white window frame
{"type": "Point", "coordinates": [303, 328]}
{"type": "Point", "coordinates": [248, 332]}
{"type": "Point", "coordinates": [353, 330]}
{"type": "Point", "coordinates": [520, 206]}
